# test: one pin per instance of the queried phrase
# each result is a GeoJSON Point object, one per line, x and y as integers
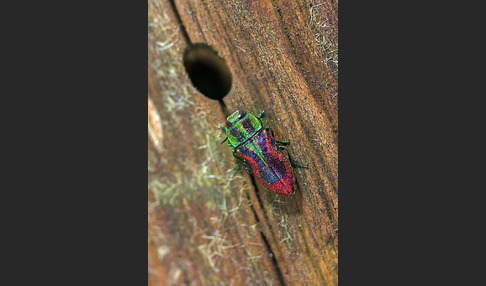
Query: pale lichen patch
{"type": "Point", "coordinates": [155, 130]}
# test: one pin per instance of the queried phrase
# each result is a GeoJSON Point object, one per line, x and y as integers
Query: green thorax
{"type": "Point", "coordinates": [241, 126]}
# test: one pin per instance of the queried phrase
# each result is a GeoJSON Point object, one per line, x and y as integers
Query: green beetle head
{"type": "Point", "coordinates": [240, 126]}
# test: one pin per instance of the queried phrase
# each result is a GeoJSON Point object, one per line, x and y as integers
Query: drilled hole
{"type": "Point", "coordinates": [208, 72]}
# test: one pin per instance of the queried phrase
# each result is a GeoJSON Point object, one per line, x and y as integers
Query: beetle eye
{"type": "Point", "coordinates": [241, 114]}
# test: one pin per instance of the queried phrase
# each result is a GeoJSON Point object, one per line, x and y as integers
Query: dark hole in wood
{"type": "Point", "coordinates": [208, 72]}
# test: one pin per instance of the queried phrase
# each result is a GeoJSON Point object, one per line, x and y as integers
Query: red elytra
{"type": "Point", "coordinates": [268, 163]}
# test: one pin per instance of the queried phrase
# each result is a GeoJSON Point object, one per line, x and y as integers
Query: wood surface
{"type": "Point", "coordinates": [208, 225]}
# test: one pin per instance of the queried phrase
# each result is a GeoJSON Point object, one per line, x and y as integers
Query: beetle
{"type": "Point", "coordinates": [258, 149]}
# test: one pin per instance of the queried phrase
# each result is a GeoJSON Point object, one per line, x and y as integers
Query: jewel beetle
{"type": "Point", "coordinates": [258, 149]}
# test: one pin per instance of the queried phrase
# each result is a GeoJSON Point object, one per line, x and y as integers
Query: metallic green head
{"type": "Point", "coordinates": [241, 126]}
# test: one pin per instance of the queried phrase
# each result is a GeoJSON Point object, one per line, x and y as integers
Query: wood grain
{"type": "Point", "coordinates": [206, 224]}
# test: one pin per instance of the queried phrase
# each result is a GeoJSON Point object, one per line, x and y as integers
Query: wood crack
{"type": "Point", "coordinates": [181, 24]}
{"type": "Point", "coordinates": [264, 237]}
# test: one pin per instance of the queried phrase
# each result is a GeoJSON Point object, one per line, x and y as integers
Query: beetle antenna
{"type": "Point", "coordinates": [224, 140]}
{"type": "Point", "coordinates": [261, 114]}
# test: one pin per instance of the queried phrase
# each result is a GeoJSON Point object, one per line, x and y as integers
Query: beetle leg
{"type": "Point", "coordinates": [259, 117]}
{"type": "Point", "coordinates": [295, 187]}
{"type": "Point", "coordinates": [297, 164]}
{"type": "Point", "coordinates": [273, 135]}
{"type": "Point", "coordinates": [233, 152]}
{"type": "Point", "coordinates": [271, 131]}
{"type": "Point", "coordinates": [300, 165]}
{"type": "Point", "coordinates": [237, 167]}
{"type": "Point", "coordinates": [239, 163]}
{"type": "Point", "coordinates": [229, 144]}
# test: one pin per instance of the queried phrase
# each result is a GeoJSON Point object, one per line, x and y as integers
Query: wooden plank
{"type": "Point", "coordinates": [208, 226]}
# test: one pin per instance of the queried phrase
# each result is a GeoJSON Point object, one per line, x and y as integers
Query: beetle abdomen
{"type": "Point", "coordinates": [268, 163]}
